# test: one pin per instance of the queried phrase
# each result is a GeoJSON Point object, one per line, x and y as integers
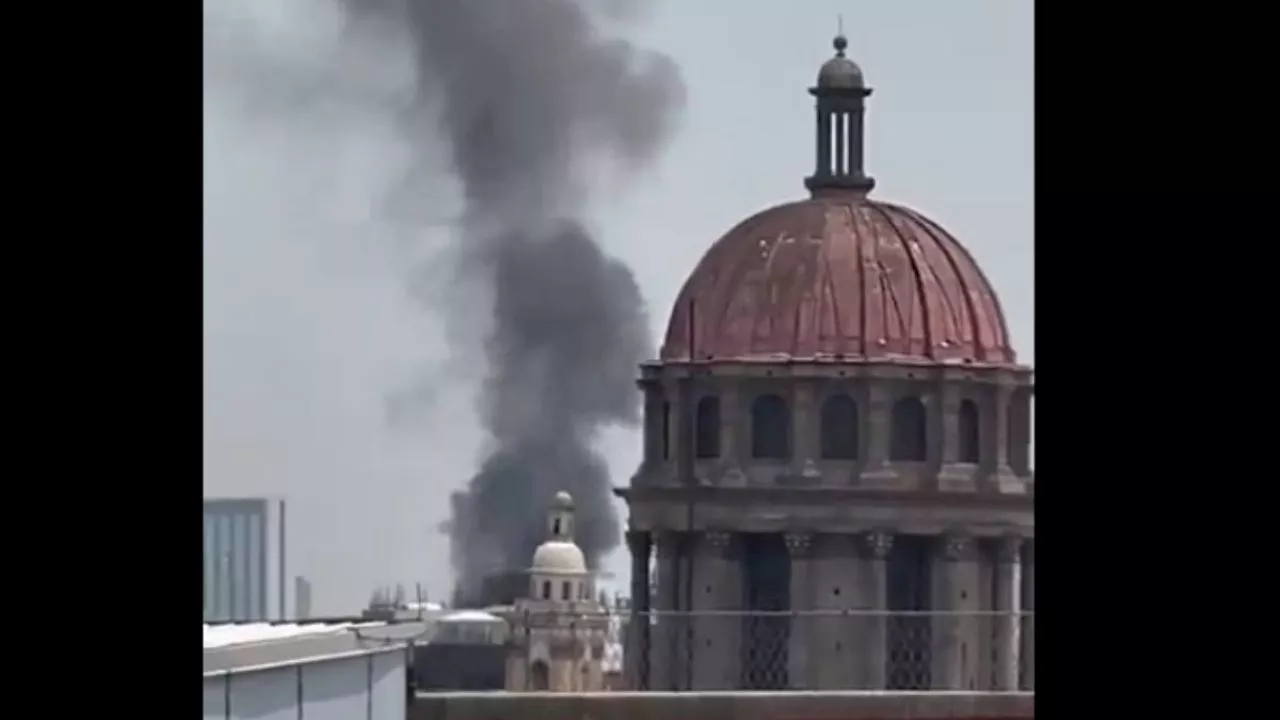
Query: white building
{"type": "Point", "coordinates": [310, 671]}
{"type": "Point", "coordinates": [560, 631]}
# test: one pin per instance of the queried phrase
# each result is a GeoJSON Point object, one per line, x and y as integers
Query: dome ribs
{"type": "Point", "coordinates": [910, 290]}
{"type": "Point", "coordinates": [729, 298]}
{"type": "Point", "coordinates": [940, 322]}
{"type": "Point", "coordinates": [871, 290]}
{"type": "Point", "coordinates": [990, 335]}
{"type": "Point", "coordinates": [842, 316]}
{"type": "Point", "coordinates": [839, 277]}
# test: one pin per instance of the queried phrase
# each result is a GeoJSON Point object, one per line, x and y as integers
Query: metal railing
{"type": "Point", "coordinates": [816, 650]}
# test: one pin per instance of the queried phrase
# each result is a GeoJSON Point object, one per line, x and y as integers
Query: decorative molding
{"type": "Point", "coordinates": [879, 544]}
{"type": "Point", "coordinates": [734, 477]}
{"type": "Point", "coordinates": [638, 542]}
{"type": "Point", "coordinates": [721, 543]}
{"type": "Point", "coordinates": [666, 543]}
{"type": "Point", "coordinates": [958, 546]}
{"type": "Point", "coordinates": [799, 543]}
{"type": "Point", "coordinates": [1009, 549]}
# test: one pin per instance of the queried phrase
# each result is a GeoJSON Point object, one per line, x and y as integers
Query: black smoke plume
{"type": "Point", "coordinates": [535, 99]}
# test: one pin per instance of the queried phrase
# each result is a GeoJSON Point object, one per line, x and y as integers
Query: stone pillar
{"type": "Point", "coordinates": [682, 407]}
{"type": "Point", "coordinates": [1000, 435]}
{"type": "Point", "coordinates": [664, 664]}
{"type": "Point", "coordinates": [1007, 613]}
{"type": "Point", "coordinates": [839, 637]}
{"type": "Point", "coordinates": [878, 428]}
{"type": "Point", "coordinates": [953, 476]}
{"type": "Point", "coordinates": [804, 436]}
{"type": "Point", "coordinates": [954, 628]}
{"type": "Point", "coordinates": [732, 445]}
{"type": "Point", "coordinates": [1028, 655]}
{"type": "Point", "coordinates": [636, 656]}
{"type": "Point", "coordinates": [717, 604]}
{"type": "Point", "coordinates": [876, 659]}
{"type": "Point", "coordinates": [800, 545]}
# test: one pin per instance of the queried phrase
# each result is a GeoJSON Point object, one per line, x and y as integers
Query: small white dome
{"type": "Point", "coordinates": [562, 501]}
{"type": "Point", "coordinates": [559, 558]}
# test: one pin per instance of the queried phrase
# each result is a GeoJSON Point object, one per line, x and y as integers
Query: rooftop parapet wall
{"type": "Point", "coordinates": [725, 706]}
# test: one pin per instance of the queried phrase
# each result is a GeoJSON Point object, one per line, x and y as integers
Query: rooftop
{"type": "Point", "coordinates": [245, 647]}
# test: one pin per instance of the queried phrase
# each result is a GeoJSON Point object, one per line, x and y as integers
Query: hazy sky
{"type": "Point", "coordinates": [309, 320]}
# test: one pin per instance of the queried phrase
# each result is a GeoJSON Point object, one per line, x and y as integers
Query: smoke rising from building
{"type": "Point", "coordinates": [535, 101]}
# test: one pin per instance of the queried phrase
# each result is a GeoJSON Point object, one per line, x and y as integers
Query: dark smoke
{"type": "Point", "coordinates": [534, 100]}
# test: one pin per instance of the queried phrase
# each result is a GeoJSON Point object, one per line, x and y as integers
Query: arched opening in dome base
{"type": "Point", "coordinates": [770, 428]}
{"type": "Point", "coordinates": [839, 428]}
{"type": "Point", "coordinates": [707, 428]}
{"type": "Point", "coordinates": [909, 441]}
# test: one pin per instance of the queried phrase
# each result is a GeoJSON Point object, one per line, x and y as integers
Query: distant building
{"type": "Point", "coordinates": [301, 598]}
{"type": "Point", "coordinates": [559, 632]}
{"type": "Point", "coordinates": [467, 651]}
{"type": "Point", "coordinates": [244, 559]}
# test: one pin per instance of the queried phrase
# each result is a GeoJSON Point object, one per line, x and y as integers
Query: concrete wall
{"type": "Point", "coordinates": [363, 687]}
{"type": "Point", "coordinates": [725, 706]}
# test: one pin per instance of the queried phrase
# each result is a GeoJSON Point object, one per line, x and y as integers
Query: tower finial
{"type": "Point", "coordinates": [840, 42]}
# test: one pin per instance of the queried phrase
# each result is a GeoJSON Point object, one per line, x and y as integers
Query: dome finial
{"type": "Point", "coordinates": [841, 42]}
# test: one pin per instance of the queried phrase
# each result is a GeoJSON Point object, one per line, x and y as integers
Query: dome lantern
{"type": "Point", "coordinates": [840, 92]}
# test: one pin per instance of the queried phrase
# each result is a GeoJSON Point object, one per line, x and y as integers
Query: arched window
{"type": "Point", "coordinates": [665, 430]}
{"type": "Point", "coordinates": [540, 676]}
{"type": "Point", "coordinates": [566, 591]}
{"type": "Point", "coordinates": [546, 589]}
{"type": "Point", "coordinates": [970, 433]}
{"type": "Point", "coordinates": [707, 428]}
{"type": "Point", "coordinates": [770, 428]}
{"type": "Point", "coordinates": [909, 440]}
{"type": "Point", "coordinates": [839, 428]}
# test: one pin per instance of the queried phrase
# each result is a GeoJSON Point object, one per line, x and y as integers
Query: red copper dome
{"type": "Point", "coordinates": [839, 278]}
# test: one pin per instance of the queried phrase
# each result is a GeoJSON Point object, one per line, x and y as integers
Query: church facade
{"type": "Point", "coordinates": [836, 488]}
{"type": "Point", "coordinates": [559, 630]}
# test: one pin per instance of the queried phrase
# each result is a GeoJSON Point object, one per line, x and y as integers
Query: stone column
{"type": "Point", "coordinates": [878, 428]}
{"type": "Point", "coordinates": [952, 475]}
{"type": "Point", "coordinates": [636, 656]}
{"type": "Point", "coordinates": [1028, 655]}
{"type": "Point", "coordinates": [682, 401]}
{"type": "Point", "coordinates": [664, 665]}
{"type": "Point", "coordinates": [876, 659]}
{"type": "Point", "coordinates": [1007, 609]}
{"type": "Point", "coordinates": [800, 545]}
{"type": "Point", "coordinates": [732, 446]}
{"type": "Point", "coordinates": [804, 436]}
{"type": "Point", "coordinates": [839, 637]}
{"type": "Point", "coordinates": [954, 628]}
{"type": "Point", "coordinates": [999, 466]}
{"type": "Point", "coordinates": [717, 603]}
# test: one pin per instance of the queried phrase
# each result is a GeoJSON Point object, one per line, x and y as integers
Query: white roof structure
{"type": "Point", "coordinates": [471, 616]}
{"type": "Point", "coordinates": [555, 557]}
{"type": "Point", "coordinates": [221, 636]}
{"type": "Point", "coordinates": [233, 648]}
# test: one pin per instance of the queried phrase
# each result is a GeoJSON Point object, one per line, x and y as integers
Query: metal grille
{"type": "Point", "coordinates": [826, 650]}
